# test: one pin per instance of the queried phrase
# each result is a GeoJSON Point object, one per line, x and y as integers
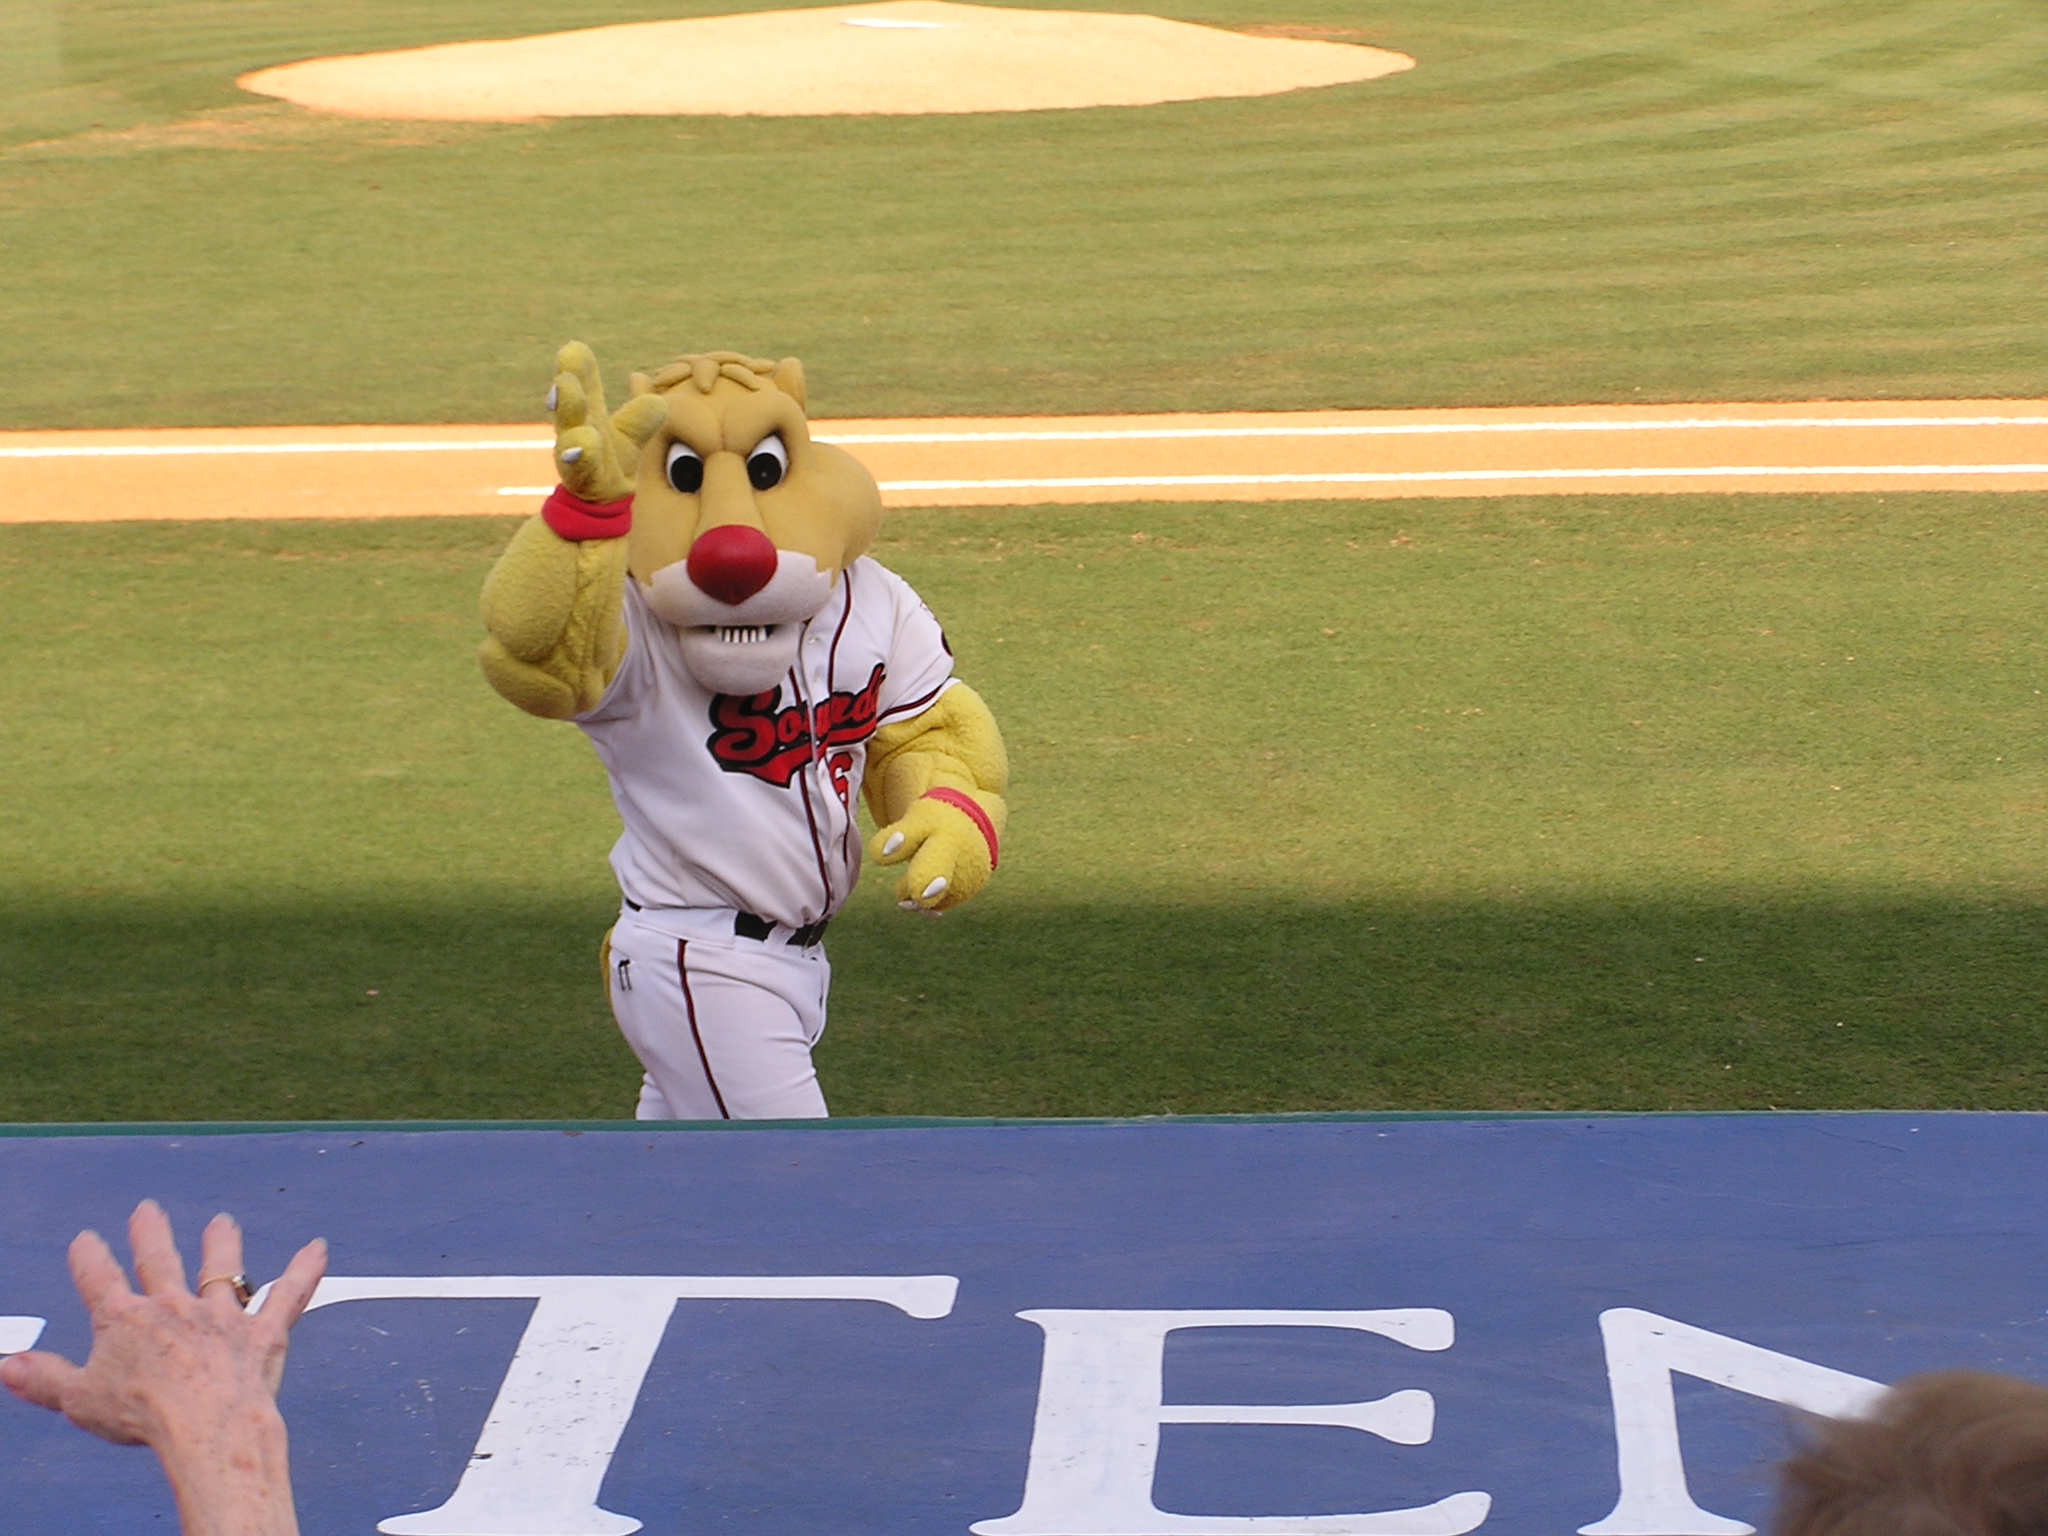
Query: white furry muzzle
{"type": "Point", "coordinates": [741, 648]}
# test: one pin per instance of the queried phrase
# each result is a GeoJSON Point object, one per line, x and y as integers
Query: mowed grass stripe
{"type": "Point", "coordinates": [1548, 803]}
{"type": "Point", "coordinates": [1629, 200]}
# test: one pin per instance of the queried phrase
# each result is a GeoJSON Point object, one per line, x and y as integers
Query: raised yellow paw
{"type": "Point", "coordinates": [948, 839]}
{"type": "Point", "coordinates": [597, 453]}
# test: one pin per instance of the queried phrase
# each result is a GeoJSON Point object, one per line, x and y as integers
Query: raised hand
{"type": "Point", "coordinates": [194, 1377]}
{"type": "Point", "coordinates": [597, 454]}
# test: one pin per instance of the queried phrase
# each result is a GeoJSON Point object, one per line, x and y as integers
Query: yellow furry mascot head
{"type": "Point", "coordinates": [740, 522]}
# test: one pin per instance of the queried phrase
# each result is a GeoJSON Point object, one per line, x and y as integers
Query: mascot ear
{"type": "Point", "coordinates": [789, 378]}
{"type": "Point", "coordinates": [640, 384]}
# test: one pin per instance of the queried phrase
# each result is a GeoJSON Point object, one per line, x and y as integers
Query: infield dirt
{"type": "Point", "coordinates": [416, 471]}
{"type": "Point", "coordinates": [896, 58]}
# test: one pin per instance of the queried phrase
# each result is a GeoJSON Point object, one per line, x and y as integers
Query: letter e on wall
{"type": "Point", "coordinates": [1095, 1441]}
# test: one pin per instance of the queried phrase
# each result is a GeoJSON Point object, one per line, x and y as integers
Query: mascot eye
{"type": "Point", "coordinates": [768, 463]}
{"type": "Point", "coordinates": [685, 469]}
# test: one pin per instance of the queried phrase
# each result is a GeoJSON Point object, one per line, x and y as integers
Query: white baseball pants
{"type": "Point", "coordinates": [724, 1025]}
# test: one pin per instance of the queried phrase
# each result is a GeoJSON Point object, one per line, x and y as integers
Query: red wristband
{"type": "Point", "coordinates": [574, 518]}
{"type": "Point", "coordinates": [974, 813]}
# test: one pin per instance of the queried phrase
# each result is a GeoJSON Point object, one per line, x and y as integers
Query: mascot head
{"type": "Point", "coordinates": [741, 523]}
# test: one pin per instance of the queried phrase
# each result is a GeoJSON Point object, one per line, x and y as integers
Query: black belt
{"type": "Point", "coordinates": [746, 925]}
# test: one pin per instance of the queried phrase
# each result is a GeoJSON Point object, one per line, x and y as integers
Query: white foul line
{"type": "Point", "coordinates": [1120, 434]}
{"type": "Point", "coordinates": [1430, 477]}
{"type": "Point", "coordinates": [1427, 477]}
{"type": "Point", "coordinates": [202, 450]}
{"type": "Point", "coordinates": [1437, 429]}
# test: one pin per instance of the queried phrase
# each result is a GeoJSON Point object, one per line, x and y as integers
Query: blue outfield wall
{"type": "Point", "coordinates": [1350, 1327]}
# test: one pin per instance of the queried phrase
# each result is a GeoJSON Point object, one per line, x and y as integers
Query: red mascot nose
{"type": "Point", "coordinates": [732, 562]}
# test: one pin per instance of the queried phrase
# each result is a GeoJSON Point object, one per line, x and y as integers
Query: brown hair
{"type": "Point", "coordinates": [1956, 1453]}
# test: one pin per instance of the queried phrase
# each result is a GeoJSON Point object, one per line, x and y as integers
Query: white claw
{"type": "Point", "coordinates": [889, 848]}
{"type": "Point", "coordinates": [571, 455]}
{"type": "Point", "coordinates": [936, 888]}
{"type": "Point", "coordinates": [554, 397]}
{"type": "Point", "coordinates": [910, 906]}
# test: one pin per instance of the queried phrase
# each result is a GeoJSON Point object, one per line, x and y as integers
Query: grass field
{"type": "Point", "coordinates": [1645, 803]}
{"type": "Point", "coordinates": [1666, 802]}
{"type": "Point", "coordinates": [1597, 200]}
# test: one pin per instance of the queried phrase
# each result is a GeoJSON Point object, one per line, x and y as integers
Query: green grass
{"type": "Point", "coordinates": [1608, 200]}
{"type": "Point", "coordinates": [1600, 802]}
{"type": "Point", "coordinates": [1594, 802]}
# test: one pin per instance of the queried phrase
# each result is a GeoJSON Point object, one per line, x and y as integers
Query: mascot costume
{"type": "Point", "coordinates": [696, 596]}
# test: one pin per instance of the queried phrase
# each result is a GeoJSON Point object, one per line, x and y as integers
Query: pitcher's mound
{"type": "Point", "coordinates": [901, 56]}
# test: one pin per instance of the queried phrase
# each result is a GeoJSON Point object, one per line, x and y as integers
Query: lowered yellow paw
{"type": "Point", "coordinates": [948, 840]}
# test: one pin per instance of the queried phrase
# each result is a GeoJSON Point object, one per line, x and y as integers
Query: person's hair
{"type": "Point", "coordinates": [1954, 1453]}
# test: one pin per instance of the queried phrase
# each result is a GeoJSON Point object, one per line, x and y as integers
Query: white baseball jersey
{"type": "Point", "coordinates": [748, 803]}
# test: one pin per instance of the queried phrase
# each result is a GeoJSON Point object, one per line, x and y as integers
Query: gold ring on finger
{"type": "Point", "coordinates": [243, 1294]}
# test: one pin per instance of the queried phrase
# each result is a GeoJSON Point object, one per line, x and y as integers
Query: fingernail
{"type": "Point", "coordinates": [935, 888]}
{"type": "Point", "coordinates": [554, 397]}
{"type": "Point", "coordinates": [571, 455]}
{"type": "Point", "coordinates": [890, 847]}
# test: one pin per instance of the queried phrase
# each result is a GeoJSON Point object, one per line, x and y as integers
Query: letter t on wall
{"type": "Point", "coordinates": [1095, 1444]}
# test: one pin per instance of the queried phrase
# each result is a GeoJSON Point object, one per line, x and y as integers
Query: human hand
{"type": "Point", "coordinates": [597, 453]}
{"type": "Point", "coordinates": [166, 1354]}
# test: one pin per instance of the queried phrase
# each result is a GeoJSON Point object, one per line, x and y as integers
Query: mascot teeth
{"type": "Point", "coordinates": [741, 648]}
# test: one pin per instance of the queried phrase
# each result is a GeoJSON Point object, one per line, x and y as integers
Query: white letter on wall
{"type": "Point", "coordinates": [1096, 1440]}
{"type": "Point", "coordinates": [1643, 1350]}
{"type": "Point", "coordinates": [545, 1448]}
